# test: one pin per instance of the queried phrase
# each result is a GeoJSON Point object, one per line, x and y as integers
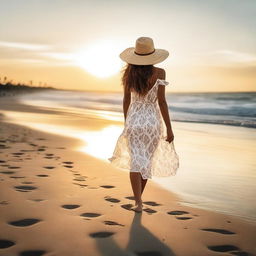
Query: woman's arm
{"type": "Point", "coordinates": [164, 108]}
{"type": "Point", "coordinates": [126, 101]}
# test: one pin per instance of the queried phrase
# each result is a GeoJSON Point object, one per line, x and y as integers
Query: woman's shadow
{"type": "Point", "coordinates": [141, 242]}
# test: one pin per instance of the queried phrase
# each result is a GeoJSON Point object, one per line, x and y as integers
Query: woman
{"type": "Point", "coordinates": [145, 147]}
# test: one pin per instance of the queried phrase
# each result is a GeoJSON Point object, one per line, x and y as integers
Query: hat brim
{"type": "Point", "coordinates": [130, 57]}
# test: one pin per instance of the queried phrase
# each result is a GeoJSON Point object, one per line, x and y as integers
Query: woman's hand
{"type": "Point", "coordinates": [170, 136]}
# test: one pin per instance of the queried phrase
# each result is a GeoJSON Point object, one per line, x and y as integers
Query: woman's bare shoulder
{"type": "Point", "coordinates": [160, 73]}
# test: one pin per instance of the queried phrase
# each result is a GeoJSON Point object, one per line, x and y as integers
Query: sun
{"type": "Point", "coordinates": [100, 58]}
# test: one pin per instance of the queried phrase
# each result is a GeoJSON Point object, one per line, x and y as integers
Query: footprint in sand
{"type": "Point", "coordinates": [112, 223]}
{"type": "Point", "coordinates": [4, 243]}
{"type": "Point", "coordinates": [2, 161]}
{"type": "Point", "coordinates": [127, 206]}
{"type": "Point", "coordinates": [17, 177]}
{"type": "Point", "coordinates": [90, 214]}
{"type": "Point", "coordinates": [150, 211]}
{"type": "Point", "coordinates": [107, 186]}
{"type": "Point", "coordinates": [7, 172]}
{"type": "Point", "coordinates": [102, 234]}
{"type": "Point", "coordinates": [27, 182]}
{"type": "Point", "coordinates": [81, 185]}
{"type": "Point", "coordinates": [177, 212]}
{"type": "Point", "coordinates": [25, 188]}
{"type": "Point", "coordinates": [32, 253]}
{"type": "Point", "coordinates": [180, 213]}
{"type": "Point", "coordinates": [151, 203]}
{"type": "Point", "coordinates": [112, 200]}
{"type": "Point", "coordinates": [79, 179]}
{"type": "Point", "coordinates": [27, 150]}
{"type": "Point", "coordinates": [3, 146]}
{"type": "Point", "coordinates": [24, 222]}
{"type": "Point", "coordinates": [67, 162]}
{"type": "Point", "coordinates": [41, 149]}
{"type": "Point", "coordinates": [48, 157]}
{"type": "Point", "coordinates": [221, 231]}
{"type": "Point", "coordinates": [70, 206]}
{"type": "Point", "coordinates": [18, 153]}
{"type": "Point", "coordinates": [183, 218]}
{"type": "Point", "coordinates": [49, 167]}
{"type": "Point", "coordinates": [42, 175]}
{"type": "Point", "coordinates": [68, 166]}
{"type": "Point", "coordinates": [37, 200]}
{"type": "Point", "coordinates": [4, 202]}
{"type": "Point", "coordinates": [130, 197]}
{"type": "Point", "coordinates": [13, 167]}
{"type": "Point", "coordinates": [227, 248]}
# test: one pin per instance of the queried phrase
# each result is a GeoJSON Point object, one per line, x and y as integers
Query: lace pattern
{"type": "Point", "coordinates": [141, 147]}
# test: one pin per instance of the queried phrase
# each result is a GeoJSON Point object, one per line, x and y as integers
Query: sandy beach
{"type": "Point", "coordinates": [55, 200]}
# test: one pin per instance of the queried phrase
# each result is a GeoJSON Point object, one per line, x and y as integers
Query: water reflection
{"type": "Point", "coordinates": [98, 143]}
{"type": "Point", "coordinates": [101, 143]}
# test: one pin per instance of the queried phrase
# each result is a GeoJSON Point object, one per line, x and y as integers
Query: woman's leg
{"type": "Point", "coordinates": [135, 178]}
{"type": "Point", "coordinates": [143, 184]}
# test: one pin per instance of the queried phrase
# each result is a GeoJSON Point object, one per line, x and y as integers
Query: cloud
{"type": "Point", "coordinates": [233, 56]}
{"type": "Point", "coordinates": [58, 55]}
{"type": "Point", "coordinates": [27, 53]}
{"type": "Point", "coordinates": [226, 58]}
{"type": "Point", "coordinates": [24, 46]}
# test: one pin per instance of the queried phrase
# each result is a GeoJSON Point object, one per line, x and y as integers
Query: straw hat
{"type": "Point", "coordinates": [144, 53]}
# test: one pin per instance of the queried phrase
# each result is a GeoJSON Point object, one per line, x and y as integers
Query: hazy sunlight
{"type": "Point", "coordinates": [100, 58]}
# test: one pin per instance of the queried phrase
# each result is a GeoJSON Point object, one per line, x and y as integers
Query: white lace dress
{"type": "Point", "coordinates": [142, 147]}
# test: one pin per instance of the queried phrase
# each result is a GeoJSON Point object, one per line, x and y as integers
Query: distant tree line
{"type": "Point", "coordinates": [8, 87]}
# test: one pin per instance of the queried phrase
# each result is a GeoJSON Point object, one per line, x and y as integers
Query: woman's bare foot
{"type": "Point", "coordinates": [138, 207]}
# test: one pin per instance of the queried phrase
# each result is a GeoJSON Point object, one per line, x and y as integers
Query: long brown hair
{"type": "Point", "coordinates": [137, 77]}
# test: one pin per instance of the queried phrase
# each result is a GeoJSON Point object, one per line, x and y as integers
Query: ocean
{"type": "Point", "coordinates": [237, 109]}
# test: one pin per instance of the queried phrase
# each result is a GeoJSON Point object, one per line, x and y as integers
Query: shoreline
{"type": "Point", "coordinates": [213, 120]}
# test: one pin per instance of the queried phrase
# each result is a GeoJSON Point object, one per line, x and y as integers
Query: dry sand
{"type": "Point", "coordinates": [57, 201]}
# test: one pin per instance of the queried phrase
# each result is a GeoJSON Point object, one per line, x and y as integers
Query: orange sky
{"type": "Point", "coordinates": [75, 44]}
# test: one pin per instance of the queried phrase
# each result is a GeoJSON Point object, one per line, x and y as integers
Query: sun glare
{"type": "Point", "coordinates": [100, 58]}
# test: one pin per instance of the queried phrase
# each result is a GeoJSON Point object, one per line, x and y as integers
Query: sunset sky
{"type": "Point", "coordinates": [75, 44]}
